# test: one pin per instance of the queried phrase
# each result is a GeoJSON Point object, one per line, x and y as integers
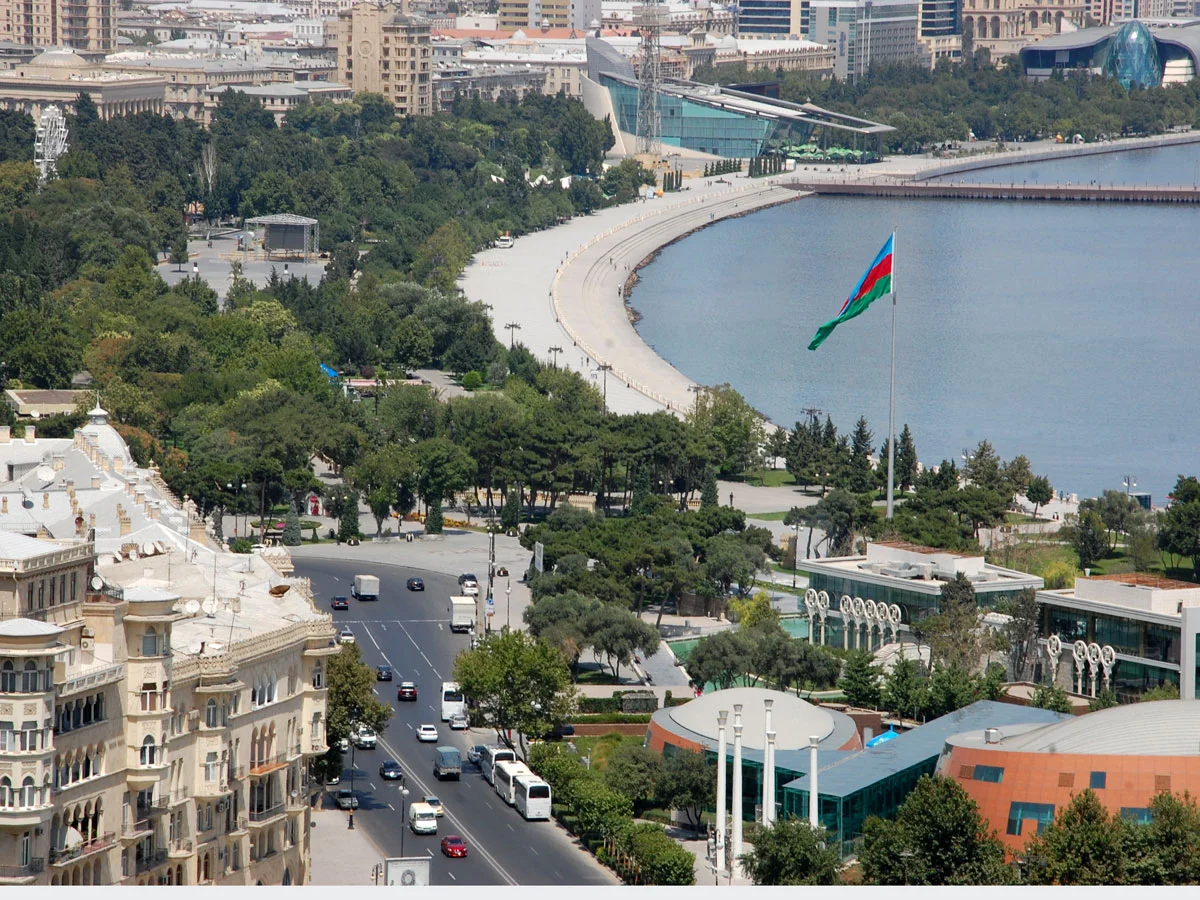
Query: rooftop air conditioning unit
{"type": "Point", "coordinates": [991, 735]}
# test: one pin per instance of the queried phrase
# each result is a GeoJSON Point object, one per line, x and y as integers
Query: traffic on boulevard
{"type": "Point", "coordinates": [427, 753]}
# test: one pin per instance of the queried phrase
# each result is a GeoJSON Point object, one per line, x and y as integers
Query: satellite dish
{"type": "Point", "coordinates": [45, 473]}
{"type": "Point", "coordinates": [133, 553]}
{"type": "Point", "coordinates": [72, 838]}
{"type": "Point", "coordinates": [148, 549]}
{"type": "Point", "coordinates": [194, 648]}
{"type": "Point", "coordinates": [116, 558]}
{"type": "Point", "coordinates": [209, 607]}
{"type": "Point", "coordinates": [158, 545]}
{"type": "Point", "coordinates": [215, 647]}
{"type": "Point", "coordinates": [97, 583]}
{"type": "Point", "coordinates": [191, 607]}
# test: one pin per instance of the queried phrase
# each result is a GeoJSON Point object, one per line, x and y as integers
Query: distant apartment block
{"type": "Point", "coordinates": [85, 25]}
{"type": "Point", "coordinates": [864, 33]}
{"type": "Point", "coordinates": [574, 14]}
{"type": "Point", "coordinates": [382, 49]}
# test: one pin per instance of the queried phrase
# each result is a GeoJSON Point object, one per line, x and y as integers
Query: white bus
{"type": "Point", "coordinates": [532, 797]}
{"type": "Point", "coordinates": [490, 757]}
{"type": "Point", "coordinates": [507, 774]}
{"type": "Point", "coordinates": [453, 700]}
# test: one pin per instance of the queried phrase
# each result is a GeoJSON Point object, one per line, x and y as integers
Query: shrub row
{"type": "Point", "coordinates": [603, 820]}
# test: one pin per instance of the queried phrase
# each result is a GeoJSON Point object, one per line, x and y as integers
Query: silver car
{"type": "Point", "coordinates": [459, 722]}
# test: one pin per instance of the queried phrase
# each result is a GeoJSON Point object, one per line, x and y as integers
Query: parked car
{"type": "Point", "coordinates": [454, 846]}
{"type": "Point", "coordinates": [344, 745]}
{"type": "Point", "coordinates": [390, 770]}
{"type": "Point", "coordinates": [383, 673]}
{"type": "Point", "coordinates": [346, 799]}
{"type": "Point", "coordinates": [415, 584]}
{"type": "Point", "coordinates": [407, 691]}
{"type": "Point", "coordinates": [340, 602]}
{"type": "Point", "coordinates": [333, 779]}
{"type": "Point", "coordinates": [436, 803]}
{"type": "Point", "coordinates": [558, 732]}
{"type": "Point", "coordinates": [469, 584]}
{"type": "Point", "coordinates": [346, 636]}
{"type": "Point", "coordinates": [475, 753]}
{"type": "Point", "coordinates": [459, 722]}
{"type": "Point", "coordinates": [426, 733]}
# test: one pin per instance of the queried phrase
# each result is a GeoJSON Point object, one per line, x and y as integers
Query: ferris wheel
{"type": "Point", "coordinates": [50, 142]}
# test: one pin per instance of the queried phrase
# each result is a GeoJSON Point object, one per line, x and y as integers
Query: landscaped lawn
{"type": "Point", "coordinates": [599, 748]}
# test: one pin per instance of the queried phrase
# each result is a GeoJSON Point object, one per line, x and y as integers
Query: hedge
{"type": "Point", "coordinates": [612, 719]}
{"type": "Point", "coordinates": [600, 704]}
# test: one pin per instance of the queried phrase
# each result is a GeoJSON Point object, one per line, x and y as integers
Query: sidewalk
{"type": "Point", "coordinates": [340, 856]}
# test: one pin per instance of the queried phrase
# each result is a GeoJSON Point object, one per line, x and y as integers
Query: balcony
{"type": "Point", "coordinates": [268, 765]}
{"type": "Point", "coordinates": [82, 851]}
{"type": "Point", "coordinates": [155, 807]}
{"type": "Point", "coordinates": [180, 848]}
{"type": "Point", "coordinates": [212, 789]}
{"type": "Point", "coordinates": [136, 828]}
{"type": "Point", "coordinates": [262, 817]}
{"type": "Point", "coordinates": [179, 795]}
{"type": "Point", "coordinates": [318, 747]}
{"type": "Point", "coordinates": [90, 678]}
{"type": "Point", "coordinates": [19, 873]}
{"type": "Point", "coordinates": [151, 860]}
{"type": "Point", "coordinates": [295, 752]}
{"type": "Point", "coordinates": [23, 816]}
{"type": "Point", "coordinates": [236, 773]}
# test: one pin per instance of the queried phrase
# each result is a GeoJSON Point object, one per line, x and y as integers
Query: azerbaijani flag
{"type": "Point", "coordinates": [874, 284]}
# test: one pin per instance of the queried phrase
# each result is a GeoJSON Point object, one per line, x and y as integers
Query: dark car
{"type": "Point", "coordinates": [407, 691]}
{"type": "Point", "coordinates": [415, 584]}
{"type": "Point", "coordinates": [340, 602]}
{"type": "Point", "coordinates": [453, 845]}
{"type": "Point", "coordinates": [558, 732]}
{"type": "Point", "coordinates": [467, 576]}
{"type": "Point", "coordinates": [390, 770]}
{"type": "Point", "coordinates": [383, 673]}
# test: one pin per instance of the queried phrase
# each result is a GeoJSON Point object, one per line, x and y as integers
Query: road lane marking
{"type": "Point", "coordinates": [409, 724]}
{"type": "Point", "coordinates": [489, 805]}
{"type": "Point", "coordinates": [367, 629]}
{"type": "Point", "coordinates": [393, 809]}
{"type": "Point", "coordinates": [535, 853]}
{"type": "Point", "coordinates": [419, 650]}
{"type": "Point", "coordinates": [384, 627]}
{"type": "Point", "coordinates": [430, 852]}
{"type": "Point", "coordinates": [510, 828]}
{"type": "Point", "coordinates": [451, 874]}
{"type": "Point", "coordinates": [372, 784]}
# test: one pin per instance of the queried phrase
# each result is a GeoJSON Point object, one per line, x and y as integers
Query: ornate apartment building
{"type": "Point", "coordinates": [382, 49]}
{"type": "Point", "coordinates": [1005, 26]}
{"type": "Point", "coordinates": [160, 700]}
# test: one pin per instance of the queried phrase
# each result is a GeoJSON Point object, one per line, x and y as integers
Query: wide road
{"type": "Point", "coordinates": [410, 631]}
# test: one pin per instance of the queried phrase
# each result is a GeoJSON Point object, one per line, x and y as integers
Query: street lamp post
{"type": "Point", "coordinates": [796, 555]}
{"type": "Point", "coordinates": [403, 794]}
{"type": "Point", "coordinates": [238, 488]}
{"type": "Point", "coordinates": [604, 368]}
{"type": "Point", "coordinates": [555, 351]}
{"type": "Point", "coordinates": [513, 328]}
{"type": "Point", "coordinates": [353, 796]}
{"type": "Point", "coordinates": [508, 603]}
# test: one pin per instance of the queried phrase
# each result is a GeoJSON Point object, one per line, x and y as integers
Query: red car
{"type": "Point", "coordinates": [406, 691]}
{"type": "Point", "coordinates": [453, 845]}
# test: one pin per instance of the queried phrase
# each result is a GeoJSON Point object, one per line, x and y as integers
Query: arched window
{"type": "Point", "coordinates": [27, 792]}
{"type": "Point", "coordinates": [210, 713]}
{"type": "Point", "coordinates": [8, 678]}
{"type": "Point", "coordinates": [150, 643]}
{"type": "Point", "coordinates": [318, 680]}
{"type": "Point", "coordinates": [6, 792]}
{"type": "Point", "coordinates": [254, 695]}
{"type": "Point", "coordinates": [271, 680]}
{"type": "Point", "coordinates": [149, 754]}
{"type": "Point", "coordinates": [46, 789]}
{"type": "Point", "coordinates": [29, 678]}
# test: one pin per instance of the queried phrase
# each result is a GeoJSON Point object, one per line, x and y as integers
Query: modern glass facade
{"type": "Point", "coordinates": [1132, 57]}
{"type": "Point", "coordinates": [694, 126]}
{"type": "Point", "coordinates": [771, 18]}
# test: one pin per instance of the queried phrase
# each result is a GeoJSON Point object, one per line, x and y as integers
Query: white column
{"type": "Point", "coordinates": [722, 764]}
{"type": "Point", "coordinates": [813, 796]}
{"type": "Point", "coordinates": [737, 785]}
{"type": "Point", "coordinates": [767, 786]}
{"type": "Point", "coordinates": [769, 781]}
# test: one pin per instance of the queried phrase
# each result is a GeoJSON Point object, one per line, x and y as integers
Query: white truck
{"type": "Point", "coordinates": [462, 613]}
{"type": "Point", "coordinates": [365, 587]}
{"type": "Point", "coordinates": [422, 818]}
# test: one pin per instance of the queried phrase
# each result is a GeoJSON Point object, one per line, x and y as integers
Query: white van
{"type": "Point", "coordinates": [422, 818]}
{"type": "Point", "coordinates": [492, 755]}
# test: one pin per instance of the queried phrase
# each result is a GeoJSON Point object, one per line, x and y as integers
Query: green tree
{"type": "Point", "coordinates": [634, 770]}
{"type": "Point", "coordinates": [292, 536]}
{"type": "Point", "coordinates": [719, 659]}
{"type": "Point", "coordinates": [860, 680]}
{"type": "Point", "coordinates": [348, 527]}
{"type": "Point", "coordinates": [1179, 528]}
{"type": "Point", "coordinates": [1084, 845]}
{"type": "Point", "coordinates": [602, 812]}
{"type": "Point", "coordinates": [1165, 691]}
{"type": "Point", "coordinates": [1086, 534]}
{"type": "Point", "coordinates": [937, 838]}
{"type": "Point", "coordinates": [1039, 492]}
{"type": "Point", "coordinates": [792, 852]}
{"type": "Point", "coordinates": [860, 477]}
{"type": "Point", "coordinates": [906, 460]}
{"type": "Point", "coordinates": [1105, 699]}
{"type": "Point", "coordinates": [510, 512]}
{"type": "Point", "coordinates": [519, 684]}
{"type": "Point", "coordinates": [708, 495]}
{"type": "Point", "coordinates": [1166, 850]}
{"type": "Point", "coordinates": [953, 634]}
{"type": "Point", "coordinates": [1021, 633]}
{"type": "Point", "coordinates": [904, 690]}
{"type": "Point", "coordinates": [1051, 697]}
{"type": "Point", "coordinates": [737, 427]}
{"type": "Point", "coordinates": [350, 696]}
{"type": "Point", "coordinates": [984, 469]}
{"type": "Point", "coordinates": [687, 784]}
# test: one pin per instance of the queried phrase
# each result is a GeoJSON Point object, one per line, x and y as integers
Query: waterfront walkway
{"type": "Point", "coordinates": [967, 191]}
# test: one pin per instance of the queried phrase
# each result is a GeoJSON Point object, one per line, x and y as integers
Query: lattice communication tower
{"type": "Point", "coordinates": [650, 20]}
{"type": "Point", "coordinates": [49, 143]}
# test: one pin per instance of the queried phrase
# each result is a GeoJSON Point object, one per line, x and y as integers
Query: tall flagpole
{"type": "Point", "coordinates": [892, 400]}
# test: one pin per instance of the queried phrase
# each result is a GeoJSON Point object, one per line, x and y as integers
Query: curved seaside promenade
{"type": "Point", "coordinates": [564, 287]}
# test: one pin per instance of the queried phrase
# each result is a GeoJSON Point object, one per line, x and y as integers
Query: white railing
{"type": "Point", "coordinates": [94, 677]}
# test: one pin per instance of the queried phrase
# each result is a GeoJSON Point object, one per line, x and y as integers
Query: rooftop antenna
{"type": "Point", "coordinates": [812, 412]}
